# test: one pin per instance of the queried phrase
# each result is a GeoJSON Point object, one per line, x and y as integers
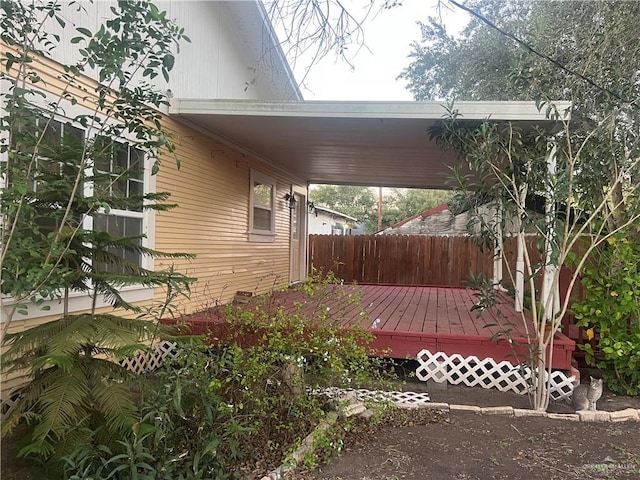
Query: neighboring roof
{"type": "Point", "coordinates": [423, 214]}
{"type": "Point", "coordinates": [335, 213]}
{"type": "Point", "coordinates": [349, 143]}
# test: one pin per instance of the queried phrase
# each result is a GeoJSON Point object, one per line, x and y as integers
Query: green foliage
{"type": "Point", "coordinates": [611, 310]}
{"type": "Point", "coordinates": [357, 202]}
{"type": "Point", "coordinates": [61, 170]}
{"type": "Point", "coordinates": [215, 412]}
{"type": "Point", "coordinates": [401, 203]}
{"type": "Point", "coordinates": [72, 204]}
{"type": "Point", "coordinates": [594, 39]}
{"type": "Point", "coordinates": [78, 393]}
{"type": "Point", "coordinates": [362, 203]}
{"type": "Point", "coordinates": [194, 430]}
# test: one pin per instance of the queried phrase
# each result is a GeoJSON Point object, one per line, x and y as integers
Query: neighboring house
{"type": "Point", "coordinates": [248, 145]}
{"type": "Point", "coordinates": [434, 221]}
{"type": "Point", "coordinates": [440, 221]}
{"type": "Point", "coordinates": [323, 220]}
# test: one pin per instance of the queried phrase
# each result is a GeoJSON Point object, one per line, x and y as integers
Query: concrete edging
{"type": "Point", "coordinates": [628, 414]}
{"type": "Point", "coordinates": [354, 407]}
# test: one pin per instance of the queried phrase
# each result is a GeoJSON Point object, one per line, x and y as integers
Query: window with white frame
{"type": "Point", "coordinates": [118, 170]}
{"type": "Point", "coordinates": [55, 164]}
{"type": "Point", "coordinates": [123, 172]}
{"type": "Point", "coordinates": [55, 133]}
{"type": "Point", "coordinates": [262, 197]}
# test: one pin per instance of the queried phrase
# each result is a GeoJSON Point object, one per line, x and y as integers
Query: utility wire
{"type": "Point", "coordinates": [531, 49]}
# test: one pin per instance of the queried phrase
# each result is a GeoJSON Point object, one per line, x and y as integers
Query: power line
{"type": "Point", "coordinates": [531, 49]}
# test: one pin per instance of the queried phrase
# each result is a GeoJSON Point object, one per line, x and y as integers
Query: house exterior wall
{"type": "Point", "coordinates": [212, 191]}
{"type": "Point", "coordinates": [221, 61]}
{"type": "Point", "coordinates": [324, 221]}
{"type": "Point", "coordinates": [211, 187]}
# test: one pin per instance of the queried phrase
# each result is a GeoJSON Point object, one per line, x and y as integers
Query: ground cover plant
{"type": "Point", "coordinates": [216, 411]}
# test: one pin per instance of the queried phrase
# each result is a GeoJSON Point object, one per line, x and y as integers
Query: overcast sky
{"type": "Point", "coordinates": [388, 36]}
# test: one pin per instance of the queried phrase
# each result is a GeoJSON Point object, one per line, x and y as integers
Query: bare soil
{"type": "Point", "coordinates": [461, 446]}
{"type": "Point", "coordinates": [468, 446]}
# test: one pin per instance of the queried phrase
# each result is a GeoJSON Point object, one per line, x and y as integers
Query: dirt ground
{"type": "Point", "coordinates": [463, 446]}
{"type": "Point", "coordinates": [468, 446]}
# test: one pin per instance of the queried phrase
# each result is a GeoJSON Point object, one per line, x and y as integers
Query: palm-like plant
{"type": "Point", "coordinates": [79, 393]}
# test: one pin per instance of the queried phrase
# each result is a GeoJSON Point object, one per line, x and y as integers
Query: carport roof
{"type": "Point", "coordinates": [351, 143]}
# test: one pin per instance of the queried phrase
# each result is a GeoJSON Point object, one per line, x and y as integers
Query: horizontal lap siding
{"type": "Point", "coordinates": [211, 189]}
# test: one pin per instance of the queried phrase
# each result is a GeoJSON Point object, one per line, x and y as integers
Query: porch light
{"type": "Point", "coordinates": [289, 197]}
{"type": "Point", "coordinates": [312, 208]}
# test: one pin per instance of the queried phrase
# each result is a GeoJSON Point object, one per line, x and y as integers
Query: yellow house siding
{"type": "Point", "coordinates": [212, 220]}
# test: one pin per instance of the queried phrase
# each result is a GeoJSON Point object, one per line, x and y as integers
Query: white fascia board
{"type": "Point", "coordinates": [277, 47]}
{"type": "Point", "coordinates": [501, 111]}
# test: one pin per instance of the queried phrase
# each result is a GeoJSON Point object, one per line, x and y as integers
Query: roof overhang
{"type": "Point", "coordinates": [350, 143]}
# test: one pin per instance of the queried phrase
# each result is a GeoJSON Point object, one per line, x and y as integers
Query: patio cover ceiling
{"type": "Point", "coordinates": [350, 143]}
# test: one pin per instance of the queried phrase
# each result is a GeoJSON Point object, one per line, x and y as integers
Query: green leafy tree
{"type": "Point", "coordinates": [47, 250]}
{"type": "Point", "coordinates": [582, 51]}
{"type": "Point", "coordinates": [66, 177]}
{"type": "Point", "coordinates": [503, 165]}
{"type": "Point", "coordinates": [611, 307]}
{"type": "Point", "coordinates": [358, 202]}
{"type": "Point", "coordinates": [586, 52]}
{"type": "Point", "coordinates": [401, 203]}
{"type": "Point", "coordinates": [362, 202]}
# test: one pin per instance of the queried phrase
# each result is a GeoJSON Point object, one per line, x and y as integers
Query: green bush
{"type": "Point", "coordinates": [610, 309]}
{"type": "Point", "coordinates": [219, 412]}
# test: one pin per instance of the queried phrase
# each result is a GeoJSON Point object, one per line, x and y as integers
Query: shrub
{"type": "Point", "coordinates": [224, 411]}
{"type": "Point", "coordinates": [611, 310]}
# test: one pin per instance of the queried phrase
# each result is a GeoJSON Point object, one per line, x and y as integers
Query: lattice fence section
{"type": "Point", "coordinates": [140, 363]}
{"type": "Point", "coordinates": [486, 373]}
{"type": "Point", "coordinates": [151, 359]}
{"type": "Point", "coordinates": [403, 398]}
{"type": "Point", "coordinates": [6, 404]}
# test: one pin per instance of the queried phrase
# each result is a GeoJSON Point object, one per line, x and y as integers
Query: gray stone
{"type": "Point", "coordinates": [497, 411]}
{"type": "Point", "coordinates": [435, 406]}
{"type": "Point", "coordinates": [367, 414]}
{"type": "Point", "coordinates": [625, 415]}
{"type": "Point", "coordinates": [354, 408]}
{"type": "Point", "coordinates": [572, 417]}
{"type": "Point", "coordinates": [593, 416]}
{"type": "Point", "coordinates": [464, 408]}
{"type": "Point", "coordinates": [525, 412]}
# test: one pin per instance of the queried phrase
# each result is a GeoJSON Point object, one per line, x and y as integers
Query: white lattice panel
{"type": "Point", "coordinates": [404, 398]}
{"type": "Point", "coordinates": [151, 359]}
{"type": "Point", "coordinates": [486, 373]}
{"type": "Point", "coordinates": [6, 404]}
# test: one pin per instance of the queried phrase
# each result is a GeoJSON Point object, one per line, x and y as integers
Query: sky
{"type": "Point", "coordinates": [388, 36]}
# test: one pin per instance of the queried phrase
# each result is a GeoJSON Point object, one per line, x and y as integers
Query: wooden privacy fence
{"type": "Point", "coordinates": [399, 259]}
{"type": "Point", "coordinates": [409, 259]}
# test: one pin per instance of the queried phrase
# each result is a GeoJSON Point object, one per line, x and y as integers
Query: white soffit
{"type": "Point", "coordinates": [352, 143]}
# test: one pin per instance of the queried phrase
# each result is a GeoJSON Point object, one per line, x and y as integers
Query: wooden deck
{"type": "Point", "coordinates": [407, 319]}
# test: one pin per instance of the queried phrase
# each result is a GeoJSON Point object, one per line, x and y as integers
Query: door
{"type": "Point", "coordinates": [298, 236]}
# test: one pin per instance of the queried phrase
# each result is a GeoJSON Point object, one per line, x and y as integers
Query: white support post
{"type": "Point", "coordinates": [497, 254]}
{"type": "Point", "coordinates": [548, 293]}
{"type": "Point", "coordinates": [519, 302]}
